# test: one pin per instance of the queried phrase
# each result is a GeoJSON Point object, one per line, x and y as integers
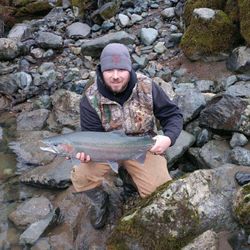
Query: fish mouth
{"type": "Point", "coordinates": [49, 149]}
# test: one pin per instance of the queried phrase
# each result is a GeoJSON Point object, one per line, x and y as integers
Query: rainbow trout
{"type": "Point", "coordinates": [110, 147]}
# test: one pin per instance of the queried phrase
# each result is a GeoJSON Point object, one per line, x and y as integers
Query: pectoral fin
{"type": "Point", "coordinates": [114, 166]}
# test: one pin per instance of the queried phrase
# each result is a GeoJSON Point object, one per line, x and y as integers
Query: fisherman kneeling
{"type": "Point", "coordinates": [121, 99]}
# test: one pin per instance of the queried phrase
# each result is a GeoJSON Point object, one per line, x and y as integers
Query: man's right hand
{"type": "Point", "coordinates": [83, 157]}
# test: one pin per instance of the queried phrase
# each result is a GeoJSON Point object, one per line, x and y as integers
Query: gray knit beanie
{"type": "Point", "coordinates": [115, 56]}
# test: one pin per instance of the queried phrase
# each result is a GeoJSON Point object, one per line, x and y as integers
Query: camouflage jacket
{"type": "Point", "coordinates": [135, 116]}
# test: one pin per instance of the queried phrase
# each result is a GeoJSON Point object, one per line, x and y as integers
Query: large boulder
{"type": "Point", "coordinates": [179, 211]}
{"type": "Point", "coordinates": [228, 113]}
{"type": "Point", "coordinates": [190, 5]}
{"type": "Point", "coordinates": [244, 9]}
{"type": "Point", "coordinates": [210, 34]}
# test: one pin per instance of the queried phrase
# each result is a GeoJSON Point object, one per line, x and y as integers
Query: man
{"type": "Point", "coordinates": [120, 99]}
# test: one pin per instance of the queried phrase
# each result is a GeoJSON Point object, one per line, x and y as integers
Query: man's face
{"type": "Point", "coordinates": [116, 79]}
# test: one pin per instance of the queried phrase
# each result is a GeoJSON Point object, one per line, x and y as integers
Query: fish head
{"type": "Point", "coordinates": [57, 145]}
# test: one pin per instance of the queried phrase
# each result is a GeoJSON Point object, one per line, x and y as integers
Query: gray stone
{"type": "Point", "coordinates": [204, 13]}
{"type": "Point", "coordinates": [94, 47]}
{"type": "Point", "coordinates": [168, 13]}
{"type": "Point", "coordinates": [48, 40]}
{"type": "Point", "coordinates": [66, 108]}
{"type": "Point", "coordinates": [239, 60]}
{"type": "Point", "coordinates": [182, 144]}
{"type": "Point", "coordinates": [32, 120]}
{"type": "Point", "coordinates": [148, 35]}
{"type": "Point", "coordinates": [205, 85]}
{"type": "Point", "coordinates": [20, 31]}
{"type": "Point", "coordinates": [30, 211]}
{"type": "Point", "coordinates": [135, 18]}
{"type": "Point", "coordinates": [36, 229]}
{"type": "Point", "coordinates": [240, 156]}
{"type": "Point", "coordinates": [207, 240]}
{"type": "Point", "coordinates": [23, 80]}
{"type": "Point", "coordinates": [241, 89]}
{"type": "Point", "coordinates": [123, 20]}
{"type": "Point", "coordinates": [160, 47]}
{"type": "Point", "coordinates": [46, 66]}
{"type": "Point", "coordinates": [227, 113]}
{"type": "Point", "coordinates": [191, 102]}
{"type": "Point", "coordinates": [215, 153]}
{"type": "Point", "coordinates": [8, 49]}
{"type": "Point", "coordinates": [238, 139]}
{"type": "Point", "coordinates": [78, 30]}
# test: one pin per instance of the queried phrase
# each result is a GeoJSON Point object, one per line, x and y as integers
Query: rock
{"type": "Point", "coordinates": [168, 13]}
{"type": "Point", "coordinates": [244, 8]}
{"type": "Point", "coordinates": [241, 206]}
{"type": "Point", "coordinates": [8, 85]}
{"type": "Point", "coordinates": [242, 178]}
{"type": "Point", "coordinates": [183, 142]}
{"type": "Point", "coordinates": [218, 114]}
{"type": "Point", "coordinates": [78, 30]}
{"type": "Point", "coordinates": [241, 89]}
{"type": "Point", "coordinates": [205, 85]}
{"type": "Point", "coordinates": [27, 148]}
{"type": "Point", "coordinates": [48, 40]}
{"type": "Point", "coordinates": [238, 139]}
{"type": "Point", "coordinates": [207, 240]}
{"type": "Point", "coordinates": [66, 108]}
{"type": "Point", "coordinates": [240, 156]}
{"type": "Point", "coordinates": [205, 14]}
{"type": "Point", "coordinates": [55, 175]}
{"type": "Point", "coordinates": [208, 38]}
{"type": "Point", "coordinates": [31, 211]}
{"type": "Point", "coordinates": [33, 120]}
{"type": "Point", "coordinates": [109, 9]}
{"type": "Point", "coordinates": [36, 229]}
{"type": "Point", "coordinates": [215, 153]}
{"type": "Point", "coordinates": [178, 210]}
{"type": "Point", "coordinates": [238, 60]}
{"type": "Point", "coordinates": [191, 102]}
{"type": "Point", "coordinates": [19, 32]}
{"type": "Point", "coordinates": [148, 35]}
{"type": "Point", "coordinates": [8, 49]}
{"type": "Point", "coordinates": [94, 47]}
{"type": "Point", "coordinates": [123, 20]}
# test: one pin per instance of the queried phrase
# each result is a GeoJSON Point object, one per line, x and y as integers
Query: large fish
{"type": "Point", "coordinates": [110, 147]}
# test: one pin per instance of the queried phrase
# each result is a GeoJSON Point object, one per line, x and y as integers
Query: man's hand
{"type": "Point", "coordinates": [162, 143]}
{"type": "Point", "coordinates": [83, 157]}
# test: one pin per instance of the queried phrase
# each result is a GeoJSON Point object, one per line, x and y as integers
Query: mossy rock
{"type": "Point", "coordinates": [37, 7]}
{"type": "Point", "coordinates": [244, 9]}
{"type": "Point", "coordinates": [205, 38]}
{"type": "Point", "coordinates": [109, 10]}
{"type": "Point", "coordinates": [193, 4]}
{"type": "Point", "coordinates": [232, 10]}
{"type": "Point", "coordinates": [175, 228]}
{"type": "Point", "coordinates": [21, 3]}
{"type": "Point", "coordinates": [241, 206]}
{"type": "Point", "coordinates": [84, 5]}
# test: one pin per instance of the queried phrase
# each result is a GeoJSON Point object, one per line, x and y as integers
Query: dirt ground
{"type": "Point", "coordinates": [200, 70]}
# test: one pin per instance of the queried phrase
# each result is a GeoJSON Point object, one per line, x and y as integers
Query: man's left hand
{"type": "Point", "coordinates": [162, 143]}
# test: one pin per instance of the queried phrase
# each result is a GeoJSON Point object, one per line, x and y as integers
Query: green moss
{"type": "Point", "coordinates": [192, 4]}
{"type": "Point", "coordinates": [232, 10]}
{"type": "Point", "coordinates": [209, 37]}
{"type": "Point", "coordinates": [242, 207]}
{"type": "Point", "coordinates": [244, 9]}
{"type": "Point", "coordinates": [84, 5]}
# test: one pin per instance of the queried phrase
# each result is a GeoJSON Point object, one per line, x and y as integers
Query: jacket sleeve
{"type": "Point", "coordinates": [89, 119]}
{"type": "Point", "coordinates": [168, 113]}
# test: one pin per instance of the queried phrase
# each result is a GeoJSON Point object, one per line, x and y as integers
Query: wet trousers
{"type": "Point", "coordinates": [147, 176]}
